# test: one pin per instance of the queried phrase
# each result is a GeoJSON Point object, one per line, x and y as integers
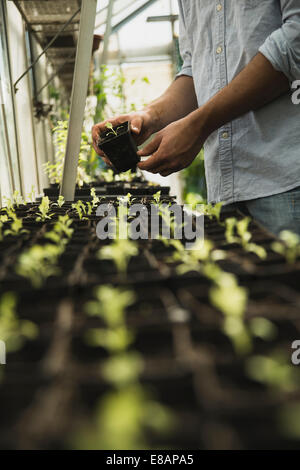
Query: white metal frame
{"type": "Point", "coordinates": [78, 99]}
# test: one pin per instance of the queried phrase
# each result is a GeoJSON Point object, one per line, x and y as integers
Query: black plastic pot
{"type": "Point", "coordinates": [121, 149]}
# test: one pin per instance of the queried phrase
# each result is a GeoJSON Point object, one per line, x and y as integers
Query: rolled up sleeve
{"type": "Point", "coordinates": [282, 47]}
{"type": "Point", "coordinates": [184, 46]}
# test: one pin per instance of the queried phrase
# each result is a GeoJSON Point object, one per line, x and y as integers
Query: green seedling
{"type": "Point", "coordinates": [31, 195]}
{"type": "Point", "coordinates": [3, 220]}
{"type": "Point", "coordinates": [108, 175]}
{"type": "Point", "coordinates": [213, 210]}
{"type": "Point", "coordinates": [80, 208]}
{"type": "Point", "coordinates": [9, 204]}
{"type": "Point", "coordinates": [95, 198]}
{"type": "Point", "coordinates": [38, 263]}
{"type": "Point", "coordinates": [44, 208]}
{"type": "Point", "coordinates": [123, 369]}
{"type": "Point", "coordinates": [111, 304]}
{"type": "Point", "coordinates": [275, 371]}
{"type": "Point", "coordinates": [17, 199]}
{"type": "Point", "coordinates": [13, 331]}
{"type": "Point", "coordinates": [89, 208]}
{"type": "Point", "coordinates": [16, 228]}
{"type": "Point", "coordinates": [237, 232]}
{"type": "Point", "coordinates": [62, 231]}
{"type": "Point", "coordinates": [114, 340]}
{"type": "Point", "coordinates": [124, 417]}
{"type": "Point", "coordinates": [202, 255]}
{"type": "Point", "coordinates": [157, 197]}
{"type": "Point", "coordinates": [120, 252]}
{"type": "Point", "coordinates": [288, 246]}
{"type": "Point", "coordinates": [60, 201]}
{"type": "Point", "coordinates": [109, 126]}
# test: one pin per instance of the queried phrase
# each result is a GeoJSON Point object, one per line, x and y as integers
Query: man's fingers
{"type": "Point", "coordinates": [136, 124]}
{"type": "Point", "coordinates": [150, 148]}
{"type": "Point", "coordinates": [151, 164]}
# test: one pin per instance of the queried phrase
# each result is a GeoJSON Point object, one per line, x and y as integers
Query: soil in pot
{"type": "Point", "coordinates": [118, 144]}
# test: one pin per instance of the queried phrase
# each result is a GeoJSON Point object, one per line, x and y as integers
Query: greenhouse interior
{"type": "Point", "coordinates": [149, 226]}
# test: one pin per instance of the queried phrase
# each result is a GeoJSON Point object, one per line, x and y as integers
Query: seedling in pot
{"type": "Point", "coordinates": [31, 195]}
{"type": "Point", "coordinates": [3, 219]}
{"type": "Point", "coordinates": [108, 175]}
{"type": "Point", "coordinates": [80, 208]}
{"type": "Point", "coordinates": [110, 304]}
{"type": "Point", "coordinates": [288, 246]}
{"type": "Point", "coordinates": [60, 202]}
{"type": "Point", "coordinates": [95, 198]}
{"type": "Point", "coordinates": [110, 127]}
{"type": "Point", "coordinates": [16, 228]}
{"type": "Point", "coordinates": [44, 208]}
{"type": "Point", "coordinates": [115, 340]}
{"type": "Point", "coordinates": [237, 232]}
{"type": "Point", "coordinates": [157, 197]}
{"type": "Point", "coordinates": [38, 263]}
{"type": "Point", "coordinates": [213, 210]}
{"type": "Point", "coordinates": [62, 231]}
{"type": "Point", "coordinates": [120, 252]}
{"type": "Point", "coordinates": [119, 146]}
{"type": "Point", "coordinates": [12, 330]}
{"type": "Point", "coordinates": [17, 199]}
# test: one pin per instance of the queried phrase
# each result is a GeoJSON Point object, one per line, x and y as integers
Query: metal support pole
{"type": "Point", "coordinates": [79, 94]}
{"type": "Point", "coordinates": [107, 32]}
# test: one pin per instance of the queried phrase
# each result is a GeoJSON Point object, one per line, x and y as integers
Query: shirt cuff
{"type": "Point", "coordinates": [282, 55]}
{"type": "Point", "coordinates": [186, 70]}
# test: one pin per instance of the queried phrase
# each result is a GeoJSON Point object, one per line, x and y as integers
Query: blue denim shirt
{"type": "Point", "coordinates": [257, 154]}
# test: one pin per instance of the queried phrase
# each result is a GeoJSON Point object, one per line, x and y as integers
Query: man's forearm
{"type": "Point", "coordinates": [178, 101]}
{"type": "Point", "coordinates": [257, 85]}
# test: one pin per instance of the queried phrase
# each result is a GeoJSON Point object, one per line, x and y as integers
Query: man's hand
{"type": "Point", "coordinates": [173, 148]}
{"type": "Point", "coordinates": [143, 125]}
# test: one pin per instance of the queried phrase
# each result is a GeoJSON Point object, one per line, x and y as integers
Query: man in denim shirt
{"type": "Point", "coordinates": [234, 97]}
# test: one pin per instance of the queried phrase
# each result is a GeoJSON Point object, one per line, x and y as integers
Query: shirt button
{"type": "Point", "coordinates": [219, 7]}
{"type": "Point", "coordinates": [219, 50]}
{"type": "Point", "coordinates": [225, 135]}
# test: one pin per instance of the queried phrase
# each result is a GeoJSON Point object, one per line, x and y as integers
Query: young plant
{"type": "Point", "coordinates": [237, 232]}
{"type": "Point", "coordinates": [80, 208]}
{"type": "Point", "coordinates": [89, 208]}
{"type": "Point", "coordinates": [17, 199]}
{"type": "Point", "coordinates": [16, 228]}
{"type": "Point", "coordinates": [275, 371]}
{"type": "Point", "coordinates": [60, 201]}
{"type": "Point", "coordinates": [95, 198]}
{"type": "Point", "coordinates": [13, 331]}
{"type": "Point", "coordinates": [120, 252]}
{"type": "Point", "coordinates": [157, 197]}
{"type": "Point", "coordinates": [3, 219]}
{"type": "Point", "coordinates": [288, 246]}
{"type": "Point", "coordinates": [31, 195]}
{"type": "Point", "coordinates": [108, 175]}
{"type": "Point", "coordinates": [62, 231]}
{"type": "Point", "coordinates": [214, 210]}
{"type": "Point", "coordinates": [203, 254]}
{"type": "Point", "coordinates": [38, 263]}
{"type": "Point", "coordinates": [44, 208]}
{"type": "Point", "coordinates": [231, 299]}
{"type": "Point", "coordinates": [125, 199]}
{"type": "Point", "coordinates": [109, 126]}
{"type": "Point", "coordinates": [110, 304]}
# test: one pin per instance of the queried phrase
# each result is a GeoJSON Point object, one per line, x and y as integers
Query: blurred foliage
{"type": "Point", "coordinates": [195, 191]}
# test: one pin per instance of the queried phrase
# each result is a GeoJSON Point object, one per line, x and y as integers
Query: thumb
{"type": "Point", "coordinates": [150, 148]}
{"type": "Point", "coordinates": [136, 124]}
